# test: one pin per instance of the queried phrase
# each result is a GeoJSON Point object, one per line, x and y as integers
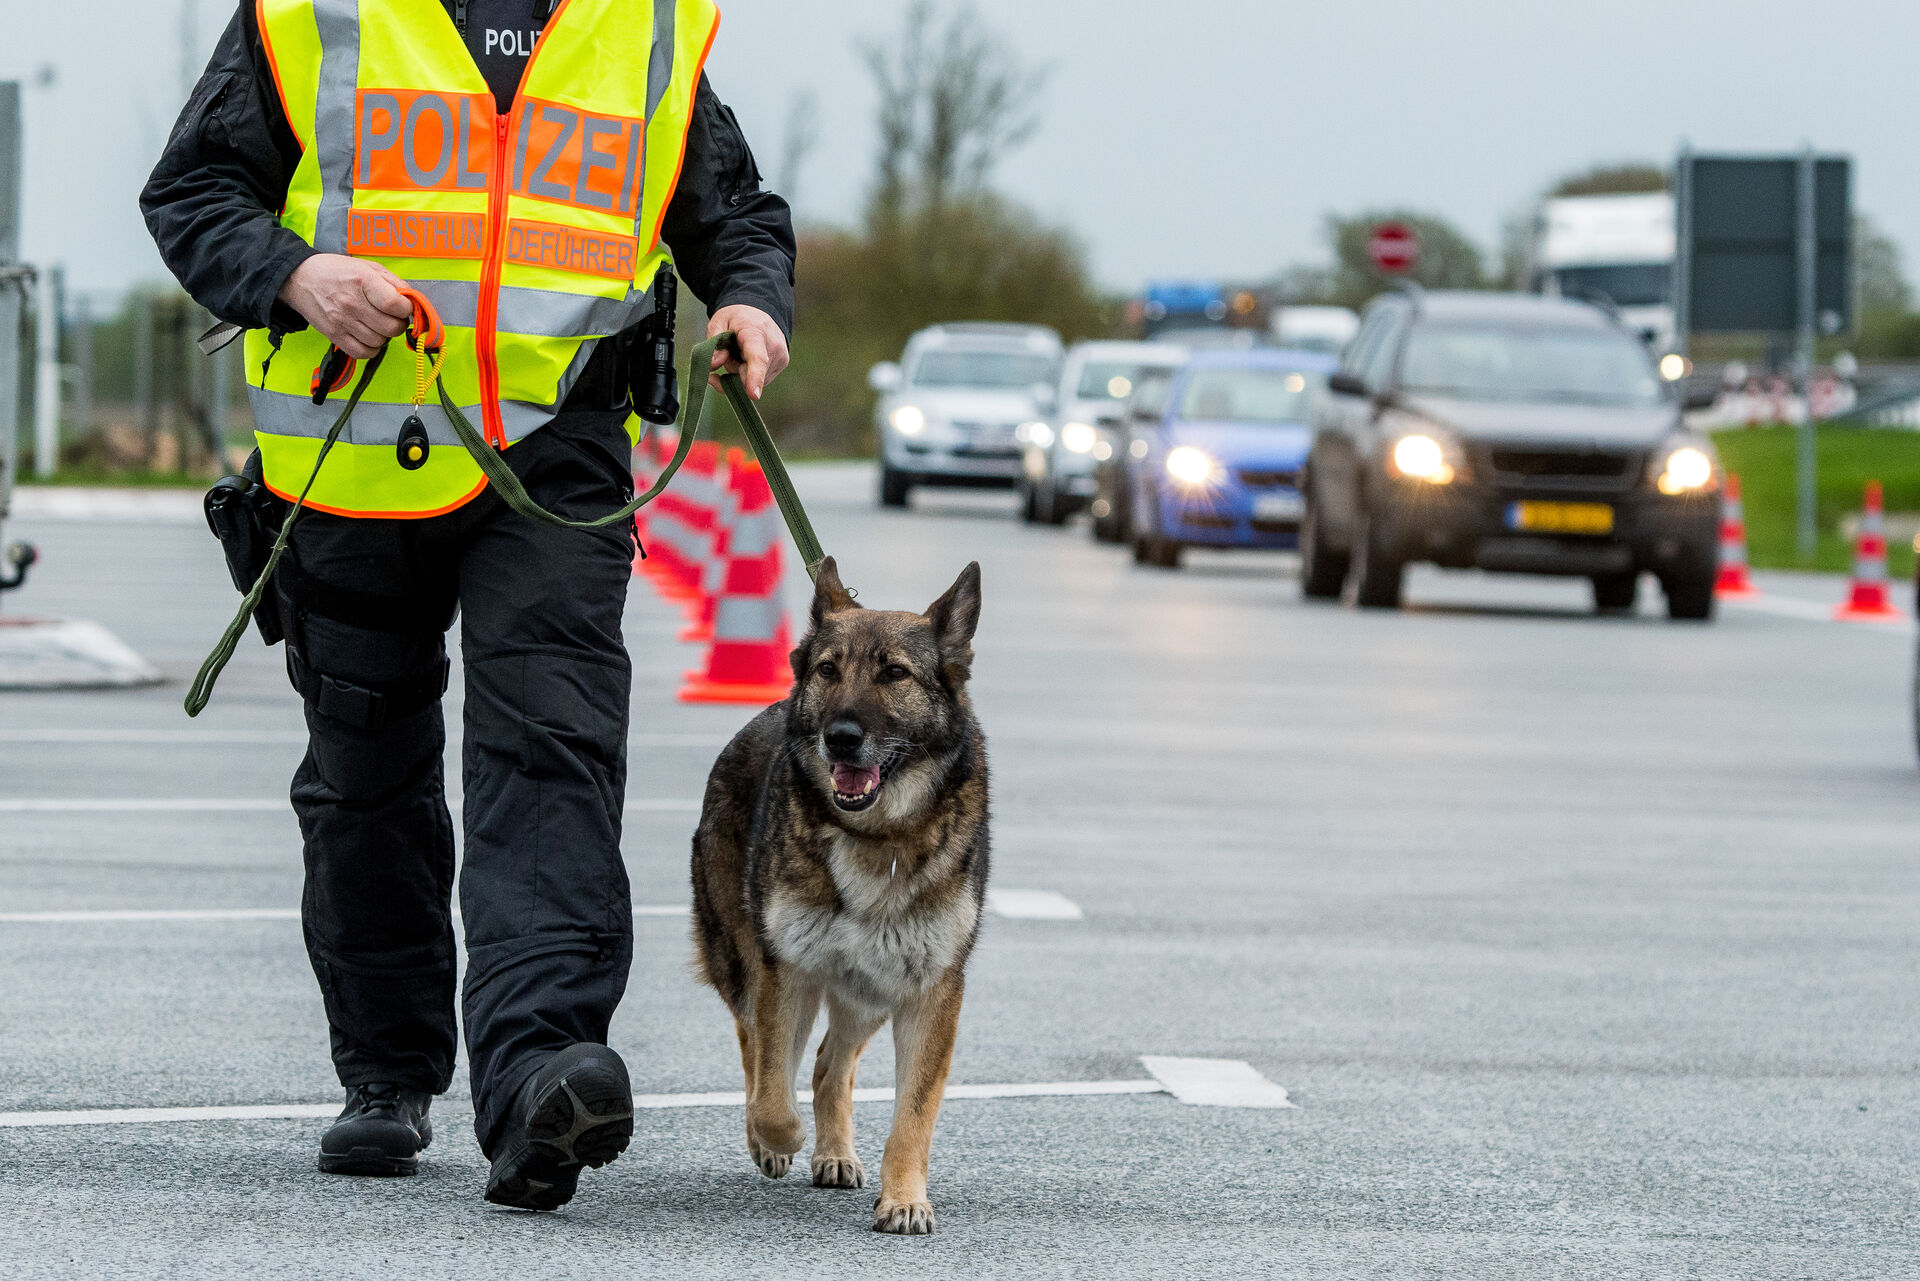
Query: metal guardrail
{"type": "Point", "coordinates": [1892, 404]}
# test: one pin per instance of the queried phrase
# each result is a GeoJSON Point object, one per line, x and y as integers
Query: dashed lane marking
{"type": "Point", "coordinates": [124, 916]}
{"type": "Point", "coordinates": [1216, 1083]}
{"type": "Point", "coordinates": [1201, 1082]}
{"type": "Point", "coordinates": [1033, 905]}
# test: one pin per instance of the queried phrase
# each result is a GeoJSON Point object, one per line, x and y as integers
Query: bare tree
{"type": "Point", "coordinates": [954, 99]}
{"type": "Point", "coordinates": [803, 130]}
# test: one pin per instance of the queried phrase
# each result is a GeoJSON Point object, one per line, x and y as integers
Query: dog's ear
{"type": "Point", "coordinates": [828, 595]}
{"type": "Point", "coordinates": [954, 617]}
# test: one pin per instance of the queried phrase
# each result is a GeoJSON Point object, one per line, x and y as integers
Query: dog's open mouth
{"type": "Point", "coordinates": [855, 786]}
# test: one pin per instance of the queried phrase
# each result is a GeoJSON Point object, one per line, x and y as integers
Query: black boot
{"type": "Point", "coordinates": [575, 1111]}
{"type": "Point", "coordinates": [380, 1132]}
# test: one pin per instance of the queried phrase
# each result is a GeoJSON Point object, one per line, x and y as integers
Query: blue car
{"type": "Point", "coordinates": [1217, 464]}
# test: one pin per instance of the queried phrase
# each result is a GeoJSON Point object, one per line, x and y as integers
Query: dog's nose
{"type": "Point", "coordinates": [844, 737]}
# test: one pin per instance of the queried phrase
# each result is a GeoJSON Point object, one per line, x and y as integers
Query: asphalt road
{"type": "Point", "coordinates": [1587, 947]}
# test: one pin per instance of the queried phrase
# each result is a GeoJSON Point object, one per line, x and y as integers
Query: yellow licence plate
{"type": "Point", "coordinates": [1560, 518]}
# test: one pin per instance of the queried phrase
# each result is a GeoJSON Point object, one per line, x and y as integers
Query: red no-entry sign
{"type": "Point", "coordinates": [1394, 248]}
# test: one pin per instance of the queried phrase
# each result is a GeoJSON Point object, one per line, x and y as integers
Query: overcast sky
{"type": "Point", "coordinates": [1178, 139]}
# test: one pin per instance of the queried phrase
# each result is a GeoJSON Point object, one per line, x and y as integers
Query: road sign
{"type": "Point", "coordinates": [1742, 242]}
{"type": "Point", "coordinates": [1766, 246]}
{"type": "Point", "coordinates": [1394, 248]}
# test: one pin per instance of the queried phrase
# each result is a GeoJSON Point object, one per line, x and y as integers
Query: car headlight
{"type": "Point", "coordinates": [1102, 450]}
{"type": "Point", "coordinates": [1685, 469]}
{"type": "Point", "coordinates": [1421, 457]}
{"type": "Point", "coordinates": [908, 420]}
{"type": "Point", "coordinates": [1036, 434]}
{"type": "Point", "coordinates": [1078, 437]}
{"type": "Point", "coordinates": [1189, 466]}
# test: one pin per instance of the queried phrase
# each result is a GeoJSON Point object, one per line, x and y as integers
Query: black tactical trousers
{"type": "Point", "coordinates": [543, 890]}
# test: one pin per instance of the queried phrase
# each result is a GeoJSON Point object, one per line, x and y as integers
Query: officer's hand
{"type": "Point", "coordinates": [761, 342]}
{"type": "Point", "coordinates": [355, 303]}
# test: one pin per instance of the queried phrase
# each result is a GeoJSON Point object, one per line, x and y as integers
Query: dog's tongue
{"type": "Point", "coordinates": [855, 780]}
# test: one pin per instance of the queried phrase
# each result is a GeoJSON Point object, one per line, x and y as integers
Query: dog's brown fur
{"type": "Point", "coordinates": [799, 900]}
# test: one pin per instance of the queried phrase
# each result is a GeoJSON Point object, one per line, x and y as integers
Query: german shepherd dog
{"type": "Point", "coordinates": [842, 857]}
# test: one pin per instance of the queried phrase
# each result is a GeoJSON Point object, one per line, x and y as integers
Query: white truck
{"type": "Point", "coordinates": [1619, 249]}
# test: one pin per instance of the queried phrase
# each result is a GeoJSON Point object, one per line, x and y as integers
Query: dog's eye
{"type": "Point", "coordinates": [893, 672]}
{"type": "Point", "coordinates": [828, 671]}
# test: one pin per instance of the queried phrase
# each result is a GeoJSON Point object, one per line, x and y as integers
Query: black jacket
{"type": "Point", "coordinates": [213, 201]}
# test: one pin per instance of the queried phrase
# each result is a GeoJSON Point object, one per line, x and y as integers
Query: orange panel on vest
{"type": "Point", "coordinates": [415, 140]}
{"type": "Point", "coordinates": [411, 233]}
{"type": "Point", "coordinates": [591, 253]}
{"type": "Point", "coordinates": [575, 157]}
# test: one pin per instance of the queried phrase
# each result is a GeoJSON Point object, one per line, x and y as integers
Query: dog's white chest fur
{"type": "Point", "coordinates": [881, 945]}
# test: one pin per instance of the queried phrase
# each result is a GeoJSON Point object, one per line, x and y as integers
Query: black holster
{"type": "Point", "coordinates": [246, 516]}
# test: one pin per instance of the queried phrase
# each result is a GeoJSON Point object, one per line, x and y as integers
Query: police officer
{"type": "Point", "coordinates": [526, 166]}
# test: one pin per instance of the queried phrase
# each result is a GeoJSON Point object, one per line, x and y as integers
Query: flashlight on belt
{"type": "Point", "coordinates": [652, 384]}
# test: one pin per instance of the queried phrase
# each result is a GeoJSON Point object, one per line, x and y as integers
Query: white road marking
{"type": "Point", "coordinates": [246, 805]}
{"type": "Point", "coordinates": [1215, 1083]}
{"type": "Point", "coordinates": [260, 737]}
{"type": "Point", "coordinates": [1813, 612]}
{"type": "Point", "coordinates": [1033, 905]}
{"type": "Point", "coordinates": [656, 1102]}
{"type": "Point", "coordinates": [120, 916]}
{"type": "Point", "coordinates": [149, 1116]}
{"type": "Point", "coordinates": [139, 805]}
{"type": "Point", "coordinates": [1037, 905]}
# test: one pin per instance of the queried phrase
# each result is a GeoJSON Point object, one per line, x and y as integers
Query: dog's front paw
{"type": "Point", "coordinates": [782, 1134]}
{"type": "Point", "coordinates": [838, 1172]}
{"type": "Point", "coordinates": [903, 1218]}
{"type": "Point", "coordinates": [772, 1164]}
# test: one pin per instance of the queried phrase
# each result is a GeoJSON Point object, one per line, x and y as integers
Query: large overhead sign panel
{"type": "Point", "coordinates": [1747, 226]}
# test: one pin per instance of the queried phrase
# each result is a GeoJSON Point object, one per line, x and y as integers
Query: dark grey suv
{"type": "Point", "coordinates": [1510, 433]}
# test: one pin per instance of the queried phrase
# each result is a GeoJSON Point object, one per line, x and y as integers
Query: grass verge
{"type": "Point", "coordinates": [1848, 457]}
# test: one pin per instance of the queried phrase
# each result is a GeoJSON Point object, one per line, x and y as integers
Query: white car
{"type": "Point", "coordinates": [1061, 451]}
{"type": "Point", "coordinates": [952, 410]}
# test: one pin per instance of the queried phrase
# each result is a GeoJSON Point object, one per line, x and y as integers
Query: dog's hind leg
{"type": "Point", "coordinates": [848, 1031]}
{"type": "Point", "coordinates": [923, 1034]}
{"type": "Point", "coordinates": [784, 1003]}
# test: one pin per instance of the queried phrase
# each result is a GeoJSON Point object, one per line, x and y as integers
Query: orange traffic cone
{"type": "Point", "coordinates": [658, 532]}
{"type": "Point", "coordinates": [684, 523]}
{"type": "Point", "coordinates": [1869, 598]}
{"type": "Point", "coordinates": [1733, 582]}
{"type": "Point", "coordinates": [739, 486]}
{"type": "Point", "coordinates": [747, 658]}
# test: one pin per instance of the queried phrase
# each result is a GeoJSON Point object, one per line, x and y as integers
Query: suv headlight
{"type": "Point", "coordinates": [1426, 455]}
{"type": "Point", "coordinates": [908, 420]}
{"type": "Point", "coordinates": [1078, 437]}
{"type": "Point", "coordinates": [1686, 465]}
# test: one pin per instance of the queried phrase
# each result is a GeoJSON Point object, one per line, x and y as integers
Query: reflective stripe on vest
{"type": "Point", "coordinates": [534, 233]}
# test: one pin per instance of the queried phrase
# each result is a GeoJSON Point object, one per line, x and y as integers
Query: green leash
{"type": "Point", "coordinates": [202, 688]}
{"type": "Point", "coordinates": [494, 467]}
{"type": "Point", "coordinates": [515, 495]}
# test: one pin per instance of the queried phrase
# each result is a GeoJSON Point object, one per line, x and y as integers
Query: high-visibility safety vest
{"type": "Point", "coordinates": [534, 233]}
